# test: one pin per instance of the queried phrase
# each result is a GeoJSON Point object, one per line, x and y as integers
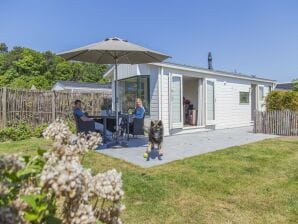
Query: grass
{"type": "Point", "coordinates": [254, 183]}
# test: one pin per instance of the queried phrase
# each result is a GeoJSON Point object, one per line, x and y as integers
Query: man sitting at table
{"type": "Point", "coordinates": [83, 116]}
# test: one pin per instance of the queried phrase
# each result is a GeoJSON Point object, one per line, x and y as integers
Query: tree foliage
{"type": "Point", "coordinates": [23, 67]}
{"type": "Point", "coordinates": [295, 81]}
{"type": "Point", "coordinates": [3, 47]}
{"type": "Point", "coordinates": [282, 100]}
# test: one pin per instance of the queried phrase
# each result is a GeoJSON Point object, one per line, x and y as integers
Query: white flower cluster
{"type": "Point", "coordinates": [66, 178]}
{"type": "Point", "coordinates": [11, 163]}
{"type": "Point", "coordinates": [62, 152]}
{"type": "Point", "coordinates": [57, 131]}
{"type": "Point", "coordinates": [88, 142]}
{"type": "Point", "coordinates": [108, 185]}
{"type": "Point", "coordinates": [29, 189]}
{"type": "Point", "coordinates": [8, 216]}
{"type": "Point", "coordinates": [111, 214]}
{"type": "Point", "coordinates": [81, 214]}
{"type": "Point", "coordinates": [93, 140]}
{"type": "Point", "coordinates": [64, 175]}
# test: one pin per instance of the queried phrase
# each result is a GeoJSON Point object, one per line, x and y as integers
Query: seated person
{"type": "Point", "coordinates": [83, 116]}
{"type": "Point", "coordinates": [139, 113]}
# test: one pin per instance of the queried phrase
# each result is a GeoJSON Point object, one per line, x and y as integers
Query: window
{"type": "Point", "coordinates": [244, 97]}
{"type": "Point", "coordinates": [261, 93]}
{"type": "Point", "coordinates": [132, 88]}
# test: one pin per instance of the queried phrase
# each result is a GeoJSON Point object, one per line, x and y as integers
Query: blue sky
{"type": "Point", "coordinates": [250, 36]}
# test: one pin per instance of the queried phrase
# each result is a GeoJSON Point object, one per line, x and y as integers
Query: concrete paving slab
{"type": "Point", "coordinates": [182, 146]}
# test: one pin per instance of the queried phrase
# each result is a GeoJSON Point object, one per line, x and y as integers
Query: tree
{"type": "Point", "coordinates": [23, 67]}
{"type": "Point", "coordinates": [295, 81]}
{"type": "Point", "coordinates": [3, 48]}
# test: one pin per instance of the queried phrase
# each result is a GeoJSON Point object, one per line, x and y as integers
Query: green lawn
{"type": "Point", "coordinates": [254, 183]}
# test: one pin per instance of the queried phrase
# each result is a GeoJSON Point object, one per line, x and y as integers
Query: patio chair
{"type": "Point", "coordinates": [138, 127]}
{"type": "Point", "coordinates": [84, 126]}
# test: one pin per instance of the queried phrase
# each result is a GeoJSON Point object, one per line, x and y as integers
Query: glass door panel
{"type": "Point", "coordinates": [176, 101]}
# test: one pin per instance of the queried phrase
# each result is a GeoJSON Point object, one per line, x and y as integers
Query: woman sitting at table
{"type": "Point", "coordinates": [84, 117]}
{"type": "Point", "coordinates": [139, 112]}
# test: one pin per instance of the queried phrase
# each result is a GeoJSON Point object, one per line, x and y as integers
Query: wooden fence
{"type": "Point", "coordinates": [277, 122]}
{"type": "Point", "coordinates": [35, 107]}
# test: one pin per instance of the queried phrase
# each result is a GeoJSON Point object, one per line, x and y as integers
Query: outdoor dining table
{"type": "Point", "coordinates": [104, 118]}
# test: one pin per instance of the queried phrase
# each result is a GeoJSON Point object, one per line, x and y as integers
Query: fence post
{"type": "Point", "coordinates": [4, 108]}
{"type": "Point", "coordinates": [53, 106]}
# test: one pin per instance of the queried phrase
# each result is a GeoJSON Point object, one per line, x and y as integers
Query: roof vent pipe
{"type": "Point", "coordinates": [210, 67]}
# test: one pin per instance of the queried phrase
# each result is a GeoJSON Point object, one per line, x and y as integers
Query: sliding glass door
{"type": "Point", "coordinates": [132, 88]}
{"type": "Point", "coordinates": [176, 101]}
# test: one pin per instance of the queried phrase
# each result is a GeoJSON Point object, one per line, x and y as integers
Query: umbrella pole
{"type": "Point", "coordinates": [116, 99]}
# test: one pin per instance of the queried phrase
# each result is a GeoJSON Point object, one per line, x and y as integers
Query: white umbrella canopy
{"type": "Point", "coordinates": [114, 51]}
{"type": "Point", "coordinates": [111, 49]}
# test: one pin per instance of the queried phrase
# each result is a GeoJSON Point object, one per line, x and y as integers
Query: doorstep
{"type": "Point", "coordinates": [191, 130]}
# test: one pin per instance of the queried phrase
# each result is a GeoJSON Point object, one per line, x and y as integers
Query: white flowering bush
{"type": "Point", "coordinates": [56, 177]}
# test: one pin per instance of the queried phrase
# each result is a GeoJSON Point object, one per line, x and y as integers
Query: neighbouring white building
{"type": "Point", "coordinates": [220, 99]}
{"type": "Point", "coordinates": [73, 86]}
{"type": "Point", "coordinates": [285, 86]}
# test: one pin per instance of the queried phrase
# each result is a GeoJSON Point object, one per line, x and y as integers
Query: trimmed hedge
{"type": "Point", "coordinates": [282, 100]}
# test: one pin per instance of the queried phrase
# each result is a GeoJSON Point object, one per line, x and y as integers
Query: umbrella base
{"type": "Point", "coordinates": [117, 144]}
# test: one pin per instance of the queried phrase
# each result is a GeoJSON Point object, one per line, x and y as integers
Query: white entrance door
{"type": "Point", "coordinates": [176, 101]}
{"type": "Point", "coordinates": [210, 102]}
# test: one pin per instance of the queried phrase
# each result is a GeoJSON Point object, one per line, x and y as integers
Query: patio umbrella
{"type": "Point", "coordinates": [114, 51]}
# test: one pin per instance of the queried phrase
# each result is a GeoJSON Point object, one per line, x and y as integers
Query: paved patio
{"type": "Point", "coordinates": [182, 146]}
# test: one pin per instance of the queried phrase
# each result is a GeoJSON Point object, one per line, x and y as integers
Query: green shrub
{"type": "Point", "coordinates": [71, 124]}
{"type": "Point", "coordinates": [20, 131]}
{"type": "Point", "coordinates": [282, 100]}
{"type": "Point", "coordinates": [39, 130]}
{"type": "Point", "coordinates": [15, 133]}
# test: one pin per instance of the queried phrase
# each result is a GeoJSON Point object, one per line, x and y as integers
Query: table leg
{"type": "Point", "coordinates": [104, 129]}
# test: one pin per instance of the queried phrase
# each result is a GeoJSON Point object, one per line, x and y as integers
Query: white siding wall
{"type": "Point", "coordinates": [125, 71]}
{"type": "Point", "coordinates": [153, 71]}
{"type": "Point", "coordinates": [165, 103]}
{"type": "Point", "coordinates": [228, 110]}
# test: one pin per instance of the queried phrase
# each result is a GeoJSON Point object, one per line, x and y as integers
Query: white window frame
{"type": "Point", "coordinates": [180, 124]}
{"type": "Point", "coordinates": [263, 88]}
{"type": "Point", "coordinates": [248, 98]}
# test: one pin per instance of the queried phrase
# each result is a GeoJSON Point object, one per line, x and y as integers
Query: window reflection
{"type": "Point", "coordinates": [132, 88]}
